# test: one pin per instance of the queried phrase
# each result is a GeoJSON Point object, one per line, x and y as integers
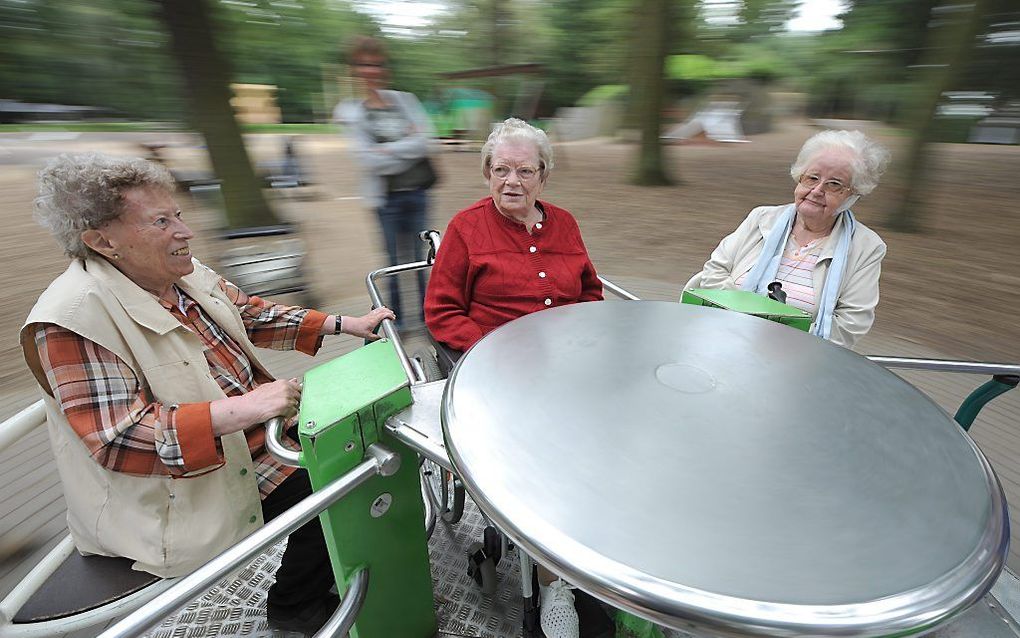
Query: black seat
{"type": "Point", "coordinates": [80, 584]}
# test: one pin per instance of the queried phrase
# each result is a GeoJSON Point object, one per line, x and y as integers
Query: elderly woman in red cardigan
{"type": "Point", "coordinates": [506, 256]}
{"type": "Point", "coordinates": [509, 254]}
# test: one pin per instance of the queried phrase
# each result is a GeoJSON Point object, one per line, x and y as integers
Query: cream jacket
{"type": "Point", "coordinates": [738, 252]}
{"type": "Point", "coordinates": [168, 526]}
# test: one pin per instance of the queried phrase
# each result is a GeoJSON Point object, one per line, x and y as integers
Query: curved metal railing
{"type": "Point", "coordinates": [380, 462]}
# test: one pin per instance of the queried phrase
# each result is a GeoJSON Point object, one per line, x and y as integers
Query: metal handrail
{"type": "Point", "coordinates": [380, 461]}
{"type": "Point", "coordinates": [619, 291]}
{"type": "Point", "coordinates": [26, 420]}
{"type": "Point", "coordinates": [275, 446]}
{"type": "Point", "coordinates": [946, 365]}
{"type": "Point", "coordinates": [342, 620]}
{"type": "Point", "coordinates": [389, 329]}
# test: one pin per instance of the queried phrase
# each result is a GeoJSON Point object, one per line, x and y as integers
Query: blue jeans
{"type": "Point", "coordinates": [402, 216]}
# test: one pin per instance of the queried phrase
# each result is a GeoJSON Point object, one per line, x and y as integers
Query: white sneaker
{"type": "Point", "coordinates": [558, 616]}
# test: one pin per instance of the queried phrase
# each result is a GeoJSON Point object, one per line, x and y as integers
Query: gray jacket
{"type": "Point", "coordinates": [378, 159]}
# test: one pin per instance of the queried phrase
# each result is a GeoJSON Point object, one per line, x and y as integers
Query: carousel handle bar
{"type": "Point", "coordinates": [379, 462]}
{"type": "Point", "coordinates": [388, 327]}
{"type": "Point", "coordinates": [340, 623]}
{"type": "Point", "coordinates": [619, 291]}
{"type": "Point", "coordinates": [945, 365]}
{"type": "Point", "coordinates": [275, 446]}
{"type": "Point", "coordinates": [1005, 377]}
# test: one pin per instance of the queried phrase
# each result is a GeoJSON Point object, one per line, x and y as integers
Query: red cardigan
{"type": "Point", "coordinates": [489, 271]}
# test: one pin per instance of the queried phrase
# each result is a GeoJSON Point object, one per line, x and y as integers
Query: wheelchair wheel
{"type": "Point", "coordinates": [428, 362]}
{"type": "Point", "coordinates": [445, 490]}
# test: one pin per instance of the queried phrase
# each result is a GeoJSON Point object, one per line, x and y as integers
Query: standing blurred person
{"type": "Point", "coordinates": [827, 262]}
{"type": "Point", "coordinates": [391, 135]}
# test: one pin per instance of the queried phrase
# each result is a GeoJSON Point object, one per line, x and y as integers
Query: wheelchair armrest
{"type": "Point", "coordinates": [446, 356]}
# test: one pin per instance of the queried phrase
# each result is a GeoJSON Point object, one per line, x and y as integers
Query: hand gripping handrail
{"type": "Point", "coordinates": [380, 461]}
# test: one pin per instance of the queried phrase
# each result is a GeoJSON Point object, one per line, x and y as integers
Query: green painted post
{"type": "Point", "coordinates": [977, 399]}
{"type": "Point", "coordinates": [380, 525]}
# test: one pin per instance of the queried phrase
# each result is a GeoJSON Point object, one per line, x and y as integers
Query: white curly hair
{"type": "Point", "coordinates": [515, 130]}
{"type": "Point", "coordinates": [81, 191]}
{"type": "Point", "coordinates": [868, 158]}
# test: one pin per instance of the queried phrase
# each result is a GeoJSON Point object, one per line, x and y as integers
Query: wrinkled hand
{"type": "Point", "coordinates": [279, 398]}
{"type": "Point", "coordinates": [364, 325]}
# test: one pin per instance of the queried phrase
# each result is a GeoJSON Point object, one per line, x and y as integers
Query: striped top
{"type": "Point", "coordinates": [794, 273]}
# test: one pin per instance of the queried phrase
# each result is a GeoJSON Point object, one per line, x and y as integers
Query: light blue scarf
{"type": "Point", "coordinates": [764, 271]}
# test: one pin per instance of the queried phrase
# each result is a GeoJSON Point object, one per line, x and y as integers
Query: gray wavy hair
{"type": "Point", "coordinates": [79, 191]}
{"type": "Point", "coordinates": [868, 158]}
{"type": "Point", "coordinates": [515, 130]}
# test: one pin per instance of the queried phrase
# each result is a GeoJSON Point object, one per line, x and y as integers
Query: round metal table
{"type": "Point", "coordinates": [719, 472]}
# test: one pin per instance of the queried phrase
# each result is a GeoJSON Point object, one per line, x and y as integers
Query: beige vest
{"type": "Point", "coordinates": [169, 526]}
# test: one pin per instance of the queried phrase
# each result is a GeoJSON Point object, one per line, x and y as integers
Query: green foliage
{"type": "Point", "coordinates": [697, 68]}
{"type": "Point", "coordinates": [103, 53]}
{"type": "Point", "coordinates": [602, 94]}
{"type": "Point", "coordinates": [113, 54]}
{"type": "Point", "coordinates": [588, 46]}
{"type": "Point", "coordinates": [871, 67]}
{"type": "Point", "coordinates": [746, 61]}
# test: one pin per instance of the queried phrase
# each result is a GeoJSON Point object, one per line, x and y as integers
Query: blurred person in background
{"type": "Point", "coordinates": [391, 134]}
{"type": "Point", "coordinates": [827, 262]}
{"type": "Point", "coordinates": [501, 258]}
{"type": "Point", "coordinates": [155, 398]}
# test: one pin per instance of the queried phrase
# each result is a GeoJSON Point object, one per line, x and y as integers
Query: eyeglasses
{"type": "Point", "coordinates": [831, 186]}
{"type": "Point", "coordinates": [523, 172]}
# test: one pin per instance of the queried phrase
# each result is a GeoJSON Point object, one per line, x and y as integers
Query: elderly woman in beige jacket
{"type": "Point", "coordinates": [827, 262]}
{"type": "Point", "coordinates": [155, 396]}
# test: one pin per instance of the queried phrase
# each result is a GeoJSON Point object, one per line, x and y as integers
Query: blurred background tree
{"type": "Point", "coordinates": [650, 44]}
{"type": "Point", "coordinates": [206, 75]}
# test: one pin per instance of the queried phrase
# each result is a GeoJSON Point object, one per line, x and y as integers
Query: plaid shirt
{"type": "Point", "coordinates": [126, 430]}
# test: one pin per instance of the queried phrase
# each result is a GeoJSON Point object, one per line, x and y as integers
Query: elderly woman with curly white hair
{"type": "Point", "coordinates": [154, 394]}
{"type": "Point", "coordinates": [827, 262]}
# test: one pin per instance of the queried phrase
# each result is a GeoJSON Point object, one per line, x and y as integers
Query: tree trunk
{"type": "Point", "coordinates": [650, 38]}
{"type": "Point", "coordinates": [949, 48]}
{"type": "Point", "coordinates": [206, 75]}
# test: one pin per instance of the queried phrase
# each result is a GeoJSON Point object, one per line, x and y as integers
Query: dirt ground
{"type": "Point", "coordinates": [953, 288]}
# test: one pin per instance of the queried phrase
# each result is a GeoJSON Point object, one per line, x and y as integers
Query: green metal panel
{"type": "Point", "coordinates": [344, 405]}
{"type": "Point", "coordinates": [749, 303]}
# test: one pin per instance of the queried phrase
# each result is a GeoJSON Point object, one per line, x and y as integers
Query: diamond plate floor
{"type": "Point", "coordinates": [237, 606]}
{"type": "Point", "coordinates": [460, 605]}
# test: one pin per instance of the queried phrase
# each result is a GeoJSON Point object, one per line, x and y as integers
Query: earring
{"type": "Point", "coordinates": [116, 255]}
